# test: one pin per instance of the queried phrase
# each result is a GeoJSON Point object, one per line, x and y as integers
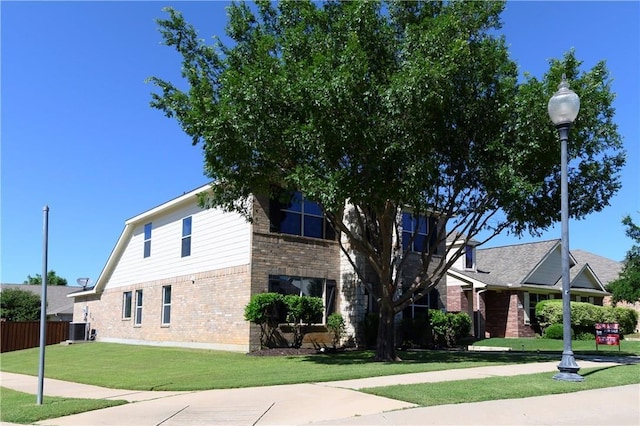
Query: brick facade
{"type": "Point", "coordinates": [504, 313]}
{"type": "Point", "coordinates": [212, 320]}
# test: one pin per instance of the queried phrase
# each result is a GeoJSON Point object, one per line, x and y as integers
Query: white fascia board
{"type": "Point", "coordinates": [168, 205]}
{"type": "Point", "coordinates": [474, 283]}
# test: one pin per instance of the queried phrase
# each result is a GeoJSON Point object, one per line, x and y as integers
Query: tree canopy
{"type": "Point", "coordinates": [19, 305]}
{"type": "Point", "coordinates": [627, 287]}
{"type": "Point", "coordinates": [389, 106]}
{"type": "Point", "coordinates": [52, 279]}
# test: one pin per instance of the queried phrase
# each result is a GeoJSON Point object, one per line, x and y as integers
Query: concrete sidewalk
{"type": "Point", "coordinates": [339, 403]}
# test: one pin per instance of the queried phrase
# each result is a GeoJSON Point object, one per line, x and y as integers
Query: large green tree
{"type": "Point", "coordinates": [19, 305]}
{"type": "Point", "coordinates": [627, 287]}
{"type": "Point", "coordinates": [389, 106]}
{"type": "Point", "coordinates": [52, 279]}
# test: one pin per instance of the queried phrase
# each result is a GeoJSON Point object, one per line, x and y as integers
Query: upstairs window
{"type": "Point", "coordinates": [147, 240]}
{"type": "Point", "coordinates": [186, 236]}
{"type": "Point", "coordinates": [469, 258]}
{"type": "Point", "coordinates": [300, 216]}
{"type": "Point", "coordinates": [418, 227]}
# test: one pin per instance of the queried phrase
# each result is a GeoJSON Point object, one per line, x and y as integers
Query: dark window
{"type": "Point", "coordinates": [302, 286]}
{"type": "Point", "coordinates": [166, 305]}
{"type": "Point", "coordinates": [138, 318]}
{"type": "Point", "coordinates": [418, 227]}
{"type": "Point", "coordinates": [419, 308]}
{"type": "Point", "coordinates": [147, 240]}
{"type": "Point", "coordinates": [468, 257]}
{"type": "Point", "coordinates": [300, 216]}
{"type": "Point", "coordinates": [186, 236]}
{"type": "Point", "coordinates": [126, 305]}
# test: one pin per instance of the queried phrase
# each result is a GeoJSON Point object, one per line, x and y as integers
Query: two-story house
{"type": "Point", "coordinates": [181, 275]}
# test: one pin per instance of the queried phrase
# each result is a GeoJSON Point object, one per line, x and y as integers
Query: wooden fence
{"type": "Point", "coordinates": [26, 334]}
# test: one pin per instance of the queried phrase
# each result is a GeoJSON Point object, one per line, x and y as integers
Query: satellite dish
{"type": "Point", "coordinates": [84, 282]}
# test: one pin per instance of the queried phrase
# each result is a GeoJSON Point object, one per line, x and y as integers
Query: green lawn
{"type": "Point", "coordinates": [18, 407]}
{"type": "Point", "coordinates": [162, 368]}
{"type": "Point", "coordinates": [579, 347]}
{"type": "Point", "coordinates": [494, 388]}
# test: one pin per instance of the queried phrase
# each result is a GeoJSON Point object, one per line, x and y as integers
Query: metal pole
{"type": "Point", "coordinates": [43, 303]}
{"type": "Point", "coordinates": [568, 367]}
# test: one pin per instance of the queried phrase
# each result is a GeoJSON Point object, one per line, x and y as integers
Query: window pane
{"type": "Point", "coordinates": [313, 226]}
{"type": "Point", "coordinates": [420, 243]}
{"type": "Point", "coordinates": [421, 224]}
{"type": "Point", "coordinates": [186, 226]}
{"type": "Point", "coordinates": [406, 237]}
{"type": "Point", "coordinates": [147, 231]}
{"type": "Point", "coordinates": [186, 247]}
{"type": "Point", "coordinates": [312, 287]}
{"type": "Point", "coordinates": [312, 208]}
{"type": "Point", "coordinates": [290, 223]}
{"type": "Point", "coordinates": [295, 203]}
{"type": "Point", "coordinates": [147, 248]}
{"type": "Point", "coordinates": [166, 314]}
{"type": "Point", "coordinates": [126, 304]}
{"type": "Point", "coordinates": [407, 222]}
{"type": "Point", "coordinates": [167, 295]}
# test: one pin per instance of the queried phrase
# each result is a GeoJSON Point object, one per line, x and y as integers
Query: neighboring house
{"type": "Point", "coordinates": [59, 306]}
{"type": "Point", "coordinates": [500, 287]}
{"type": "Point", "coordinates": [182, 275]}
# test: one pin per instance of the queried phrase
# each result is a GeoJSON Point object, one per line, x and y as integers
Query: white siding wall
{"type": "Point", "coordinates": [218, 240]}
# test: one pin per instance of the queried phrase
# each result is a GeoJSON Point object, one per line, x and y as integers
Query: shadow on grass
{"type": "Point", "coordinates": [426, 357]}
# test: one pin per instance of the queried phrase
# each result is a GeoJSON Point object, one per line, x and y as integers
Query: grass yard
{"type": "Point", "coordinates": [494, 388]}
{"type": "Point", "coordinates": [162, 368]}
{"type": "Point", "coordinates": [584, 347]}
{"type": "Point", "coordinates": [18, 407]}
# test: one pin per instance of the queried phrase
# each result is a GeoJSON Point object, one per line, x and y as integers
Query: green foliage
{"type": "Point", "coordinates": [584, 316]}
{"type": "Point", "coordinates": [337, 326]}
{"type": "Point", "coordinates": [302, 311]}
{"type": "Point", "coordinates": [448, 327]}
{"type": "Point", "coordinates": [389, 105]}
{"type": "Point", "coordinates": [263, 309]}
{"type": "Point", "coordinates": [554, 331]}
{"type": "Point", "coordinates": [19, 305]}
{"type": "Point", "coordinates": [626, 288]}
{"type": "Point", "coordinates": [52, 279]}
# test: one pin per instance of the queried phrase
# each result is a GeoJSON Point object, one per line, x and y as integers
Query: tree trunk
{"type": "Point", "coordinates": [385, 343]}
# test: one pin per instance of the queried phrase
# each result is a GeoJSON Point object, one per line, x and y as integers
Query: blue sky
{"type": "Point", "coordinates": [78, 135]}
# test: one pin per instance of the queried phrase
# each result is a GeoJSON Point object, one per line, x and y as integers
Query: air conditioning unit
{"type": "Point", "coordinates": [78, 331]}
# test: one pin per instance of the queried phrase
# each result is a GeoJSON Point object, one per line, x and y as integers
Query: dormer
{"type": "Point", "coordinates": [467, 260]}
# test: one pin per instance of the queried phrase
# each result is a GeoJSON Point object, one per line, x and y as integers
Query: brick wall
{"type": "Point", "coordinates": [280, 254]}
{"type": "Point", "coordinates": [505, 315]}
{"type": "Point", "coordinates": [207, 310]}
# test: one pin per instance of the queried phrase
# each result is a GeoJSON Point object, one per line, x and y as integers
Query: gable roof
{"type": "Point", "coordinates": [537, 266]}
{"type": "Point", "coordinates": [57, 300]}
{"type": "Point", "coordinates": [606, 269]}
{"type": "Point", "coordinates": [130, 225]}
{"type": "Point", "coordinates": [495, 268]}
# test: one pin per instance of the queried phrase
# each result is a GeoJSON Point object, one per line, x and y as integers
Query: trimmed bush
{"type": "Point", "coordinates": [584, 316]}
{"type": "Point", "coordinates": [337, 326]}
{"type": "Point", "coordinates": [448, 327]}
{"type": "Point", "coordinates": [302, 311]}
{"type": "Point", "coordinates": [554, 331]}
{"type": "Point", "coordinates": [264, 309]}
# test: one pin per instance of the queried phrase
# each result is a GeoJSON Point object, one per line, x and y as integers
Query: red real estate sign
{"type": "Point", "coordinates": [607, 334]}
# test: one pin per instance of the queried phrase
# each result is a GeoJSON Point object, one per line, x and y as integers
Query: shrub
{"type": "Point", "coordinates": [263, 309]}
{"type": "Point", "coordinates": [337, 326]}
{"type": "Point", "coordinates": [584, 316]}
{"type": "Point", "coordinates": [302, 311]}
{"type": "Point", "coordinates": [447, 328]}
{"type": "Point", "coordinates": [554, 331]}
{"type": "Point", "coordinates": [19, 305]}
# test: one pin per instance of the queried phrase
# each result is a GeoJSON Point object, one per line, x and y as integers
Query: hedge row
{"type": "Point", "coordinates": [585, 315]}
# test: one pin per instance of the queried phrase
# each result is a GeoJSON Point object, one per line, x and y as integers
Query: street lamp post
{"type": "Point", "coordinates": [563, 109]}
